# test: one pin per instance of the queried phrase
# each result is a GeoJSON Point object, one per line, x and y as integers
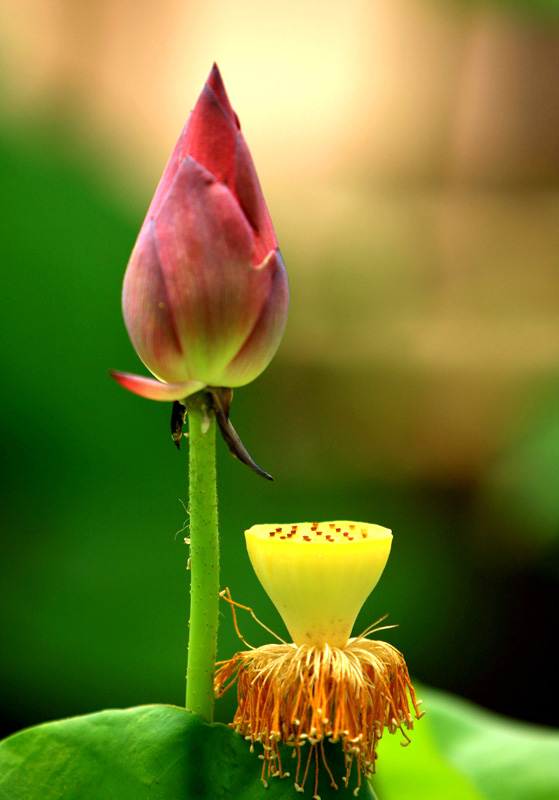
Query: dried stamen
{"type": "Point", "coordinates": [289, 694]}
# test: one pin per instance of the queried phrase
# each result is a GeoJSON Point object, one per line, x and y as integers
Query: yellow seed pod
{"type": "Point", "coordinates": [319, 574]}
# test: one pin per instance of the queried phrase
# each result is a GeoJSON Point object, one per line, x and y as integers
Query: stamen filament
{"type": "Point", "coordinates": [290, 694]}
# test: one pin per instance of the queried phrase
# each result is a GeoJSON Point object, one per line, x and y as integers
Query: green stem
{"type": "Point", "coordinates": [204, 557]}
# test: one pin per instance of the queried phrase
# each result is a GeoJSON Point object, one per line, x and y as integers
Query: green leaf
{"type": "Point", "coordinates": [462, 752]}
{"type": "Point", "coordinates": [147, 753]}
{"type": "Point", "coordinates": [160, 752]}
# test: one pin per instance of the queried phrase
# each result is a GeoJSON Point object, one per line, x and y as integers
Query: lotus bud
{"type": "Point", "coordinates": [205, 293]}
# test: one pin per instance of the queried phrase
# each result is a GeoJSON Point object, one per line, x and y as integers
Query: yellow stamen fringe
{"type": "Point", "coordinates": [293, 695]}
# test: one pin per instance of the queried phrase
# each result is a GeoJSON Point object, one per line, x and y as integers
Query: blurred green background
{"type": "Point", "coordinates": [408, 152]}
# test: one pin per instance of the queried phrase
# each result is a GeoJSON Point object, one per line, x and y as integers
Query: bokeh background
{"type": "Point", "coordinates": [409, 154]}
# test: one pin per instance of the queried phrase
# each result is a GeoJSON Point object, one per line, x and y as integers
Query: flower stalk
{"type": "Point", "coordinates": [205, 299]}
{"type": "Point", "coordinates": [204, 553]}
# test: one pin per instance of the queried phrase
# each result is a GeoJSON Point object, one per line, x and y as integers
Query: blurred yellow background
{"type": "Point", "coordinates": [409, 154]}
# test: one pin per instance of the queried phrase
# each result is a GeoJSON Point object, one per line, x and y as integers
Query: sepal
{"type": "Point", "coordinates": [152, 389]}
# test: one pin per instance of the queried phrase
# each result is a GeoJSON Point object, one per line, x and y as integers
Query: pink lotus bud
{"type": "Point", "coordinates": [205, 293]}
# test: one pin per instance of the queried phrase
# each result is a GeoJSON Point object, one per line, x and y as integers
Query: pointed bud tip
{"type": "Point", "coordinates": [214, 78]}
